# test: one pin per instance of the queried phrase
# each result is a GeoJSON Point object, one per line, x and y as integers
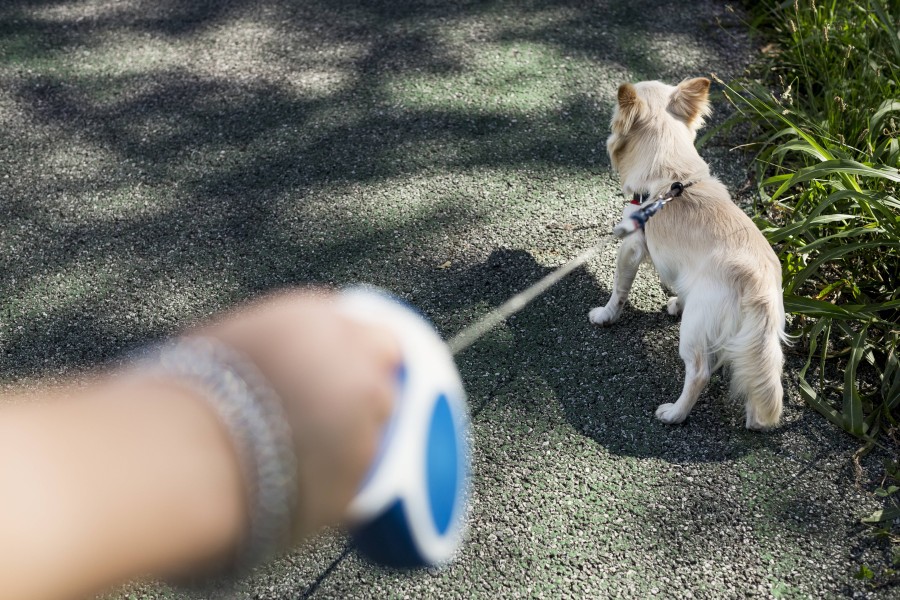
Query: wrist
{"type": "Point", "coordinates": [204, 505]}
{"type": "Point", "coordinates": [255, 423]}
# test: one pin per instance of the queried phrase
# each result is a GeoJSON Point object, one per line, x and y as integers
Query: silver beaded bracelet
{"type": "Point", "coordinates": [255, 419]}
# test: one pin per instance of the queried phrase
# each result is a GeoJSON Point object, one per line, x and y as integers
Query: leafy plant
{"type": "Point", "coordinates": [828, 179]}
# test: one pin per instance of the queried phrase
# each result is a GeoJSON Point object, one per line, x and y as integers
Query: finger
{"type": "Point", "coordinates": [381, 343]}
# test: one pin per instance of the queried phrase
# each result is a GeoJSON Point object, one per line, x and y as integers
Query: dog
{"type": "Point", "coordinates": [725, 276]}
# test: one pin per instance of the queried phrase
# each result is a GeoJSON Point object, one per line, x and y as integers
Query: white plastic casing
{"type": "Point", "coordinates": [416, 492]}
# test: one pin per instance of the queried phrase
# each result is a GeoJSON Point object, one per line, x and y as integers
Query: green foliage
{"type": "Point", "coordinates": [828, 176]}
{"type": "Point", "coordinates": [827, 166]}
{"type": "Point", "coordinates": [865, 573]}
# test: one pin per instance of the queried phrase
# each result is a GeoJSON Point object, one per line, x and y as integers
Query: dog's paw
{"type": "Point", "coordinates": [601, 316]}
{"type": "Point", "coordinates": [673, 307]}
{"type": "Point", "coordinates": [754, 424]}
{"type": "Point", "coordinates": [669, 414]}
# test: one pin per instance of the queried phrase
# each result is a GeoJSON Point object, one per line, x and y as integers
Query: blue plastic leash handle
{"type": "Point", "coordinates": [411, 510]}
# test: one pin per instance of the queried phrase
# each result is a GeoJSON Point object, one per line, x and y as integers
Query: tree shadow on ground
{"type": "Point", "coordinates": [215, 158]}
{"type": "Point", "coordinates": [139, 185]}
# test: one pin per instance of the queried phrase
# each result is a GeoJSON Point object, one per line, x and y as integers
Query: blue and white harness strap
{"type": "Point", "coordinates": [638, 219]}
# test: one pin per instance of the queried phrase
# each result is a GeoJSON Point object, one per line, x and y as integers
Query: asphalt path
{"type": "Point", "coordinates": [163, 160]}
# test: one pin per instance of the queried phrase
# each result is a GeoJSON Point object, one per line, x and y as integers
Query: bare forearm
{"type": "Point", "coordinates": [129, 477]}
{"type": "Point", "coordinates": [138, 477]}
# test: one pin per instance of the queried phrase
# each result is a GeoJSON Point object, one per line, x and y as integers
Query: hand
{"type": "Point", "coordinates": [336, 377]}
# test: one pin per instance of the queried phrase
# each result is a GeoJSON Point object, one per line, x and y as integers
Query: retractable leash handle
{"type": "Point", "coordinates": [412, 506]}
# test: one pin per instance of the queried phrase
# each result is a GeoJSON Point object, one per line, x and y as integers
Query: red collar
{"type": "Point", "coordinates": [639, 199]}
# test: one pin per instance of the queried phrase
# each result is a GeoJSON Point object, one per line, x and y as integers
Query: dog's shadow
{"type": "Point", "coordinates": [607, 382]}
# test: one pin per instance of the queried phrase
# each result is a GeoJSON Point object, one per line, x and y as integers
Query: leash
{"type": "Point", "coordinates": [638, 219]}
{"type": "Point", "coordinates": [472, 333]}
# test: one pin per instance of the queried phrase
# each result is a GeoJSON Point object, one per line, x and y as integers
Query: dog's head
{"type": "Point", "coordinates": [656, 113]}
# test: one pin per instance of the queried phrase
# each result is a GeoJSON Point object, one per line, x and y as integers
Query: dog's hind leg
{"type": "Point", "coordinates": [631, 254]}
{"type": "Point", "coordinates": [693, 350]}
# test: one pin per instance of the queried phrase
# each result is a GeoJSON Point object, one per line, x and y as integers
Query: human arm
{"type": "Point", "coordinates": [135, 475]}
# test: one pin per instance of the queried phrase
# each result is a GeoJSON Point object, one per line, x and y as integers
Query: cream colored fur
{"type": "Point", "coordinates": [725, 276]}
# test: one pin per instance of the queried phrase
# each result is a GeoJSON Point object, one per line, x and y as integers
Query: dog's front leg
{"type": "Point", "coordinates": [631, 254]}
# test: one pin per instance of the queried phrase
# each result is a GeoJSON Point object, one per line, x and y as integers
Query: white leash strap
{"type": "Point", "coordinates": [476, 330]}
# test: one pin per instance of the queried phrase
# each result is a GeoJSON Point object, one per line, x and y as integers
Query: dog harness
{"type": "Point", "coordinates": [638, 219]}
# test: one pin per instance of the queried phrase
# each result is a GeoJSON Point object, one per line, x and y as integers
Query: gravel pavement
{"type": "Point", "coordinates": [161, 160]}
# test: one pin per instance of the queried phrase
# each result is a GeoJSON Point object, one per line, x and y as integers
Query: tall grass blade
{"type": "Point", "coordinates": [885, 22]}
{"type": "Point", "coordinates": [853, 413]}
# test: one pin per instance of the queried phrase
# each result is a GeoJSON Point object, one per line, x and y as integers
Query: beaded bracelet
{"type": "Point", "coordinates": [256, 422]}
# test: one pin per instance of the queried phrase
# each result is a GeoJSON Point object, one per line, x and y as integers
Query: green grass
{"type": "Point", "coordinates": [828, 178]}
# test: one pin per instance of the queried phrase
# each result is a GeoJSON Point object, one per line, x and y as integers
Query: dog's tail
{"type": "Point", "coordinates": [756, 356]}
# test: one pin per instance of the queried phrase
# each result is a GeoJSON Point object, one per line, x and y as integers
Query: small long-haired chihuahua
{"type": "Point", "coordinates": [725, 276]}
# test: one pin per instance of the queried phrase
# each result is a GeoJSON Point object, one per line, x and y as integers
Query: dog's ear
{"type": "Point", "coordinates": [690, 101]}
{"type": "Point", "coordinates": [629, 107]}
{"type": "Point", "coordinates": [628, 97]}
